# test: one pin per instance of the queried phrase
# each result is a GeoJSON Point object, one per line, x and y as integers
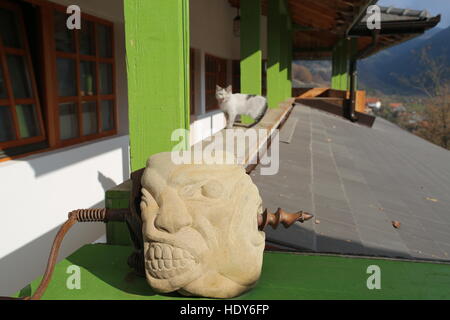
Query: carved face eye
{"type": "Point", "coordinates": [212, 189]}
{"type": "Point", "coordinates": [188, 191]}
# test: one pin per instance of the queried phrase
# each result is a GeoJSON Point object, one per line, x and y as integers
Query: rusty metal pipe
{"type": "Point", "coordinates": [283, 217]}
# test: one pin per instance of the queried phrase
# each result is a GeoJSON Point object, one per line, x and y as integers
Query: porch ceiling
{"type": "Point", "coordinates": [319, 25]}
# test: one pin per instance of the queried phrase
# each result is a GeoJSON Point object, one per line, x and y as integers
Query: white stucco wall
{"type": "Point", "coordinates": [37, 192]}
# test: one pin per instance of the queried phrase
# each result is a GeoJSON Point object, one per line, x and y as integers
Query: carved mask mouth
{"type": "Point", "coordinates": [166, 261]}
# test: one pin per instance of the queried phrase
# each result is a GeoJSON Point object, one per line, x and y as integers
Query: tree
{"type": "Point", "coordinates": [435, 84]}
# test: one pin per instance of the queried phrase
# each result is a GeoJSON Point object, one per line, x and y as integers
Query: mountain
{"type": "Point", "coordinates": [310, 74]}
{"type": "Point", "coordinates": [382, 71]}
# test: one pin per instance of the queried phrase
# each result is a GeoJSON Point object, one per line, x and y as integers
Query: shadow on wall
{"type": "Point", "coordinates": [106, 183]}
{"type": "Point", "coordinates": [27, 263]}
{"type": "Point", "coordinates": [45, 163]}
{"type": "Point", "coordinates": [24, 265]}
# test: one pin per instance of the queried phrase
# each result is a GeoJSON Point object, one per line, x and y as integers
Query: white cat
{"type": "Point", "coordinates": [240, 104]}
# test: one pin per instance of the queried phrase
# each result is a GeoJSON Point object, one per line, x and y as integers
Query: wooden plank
{"type": "Point", "coordinates": [288, 130]}
{"type": "Point", "coordinates": [312, 93]}
{"type": "Point", "coordinates": [361, 101]}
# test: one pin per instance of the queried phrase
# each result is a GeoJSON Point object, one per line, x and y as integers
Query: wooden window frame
{"type": "Point", "coordinates": [50, 100]}
{"type": "Point", "coordinates": [79, 98]}
{"type": "Point", "coordinates": [217, 75]}
{"type": "Point", "coordinates": [11, 102]}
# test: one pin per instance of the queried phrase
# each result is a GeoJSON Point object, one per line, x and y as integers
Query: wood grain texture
{"type": "Point", "coordinates": [157, 43]}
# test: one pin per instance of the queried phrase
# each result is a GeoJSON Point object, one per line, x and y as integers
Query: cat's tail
{"type": "Point", "coordinates": [260, 116]}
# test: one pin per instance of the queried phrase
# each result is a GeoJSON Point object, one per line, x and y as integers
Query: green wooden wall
{"type": "Point", "coordinates": [157, 44]}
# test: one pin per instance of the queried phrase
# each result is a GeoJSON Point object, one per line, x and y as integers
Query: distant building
{"type": "Point", "coordinates": [373, 103]}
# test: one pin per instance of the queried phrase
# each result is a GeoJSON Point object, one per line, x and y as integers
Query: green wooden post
{"type": "Point", "coordinates": [290, 57]}
{"type": "Point", "coordinates": [273, 65]}
{"type": "Point", "coordinates": [335, 68]}
{"type": "Point", "coordinates": [344, 65]}
{"type": "Point", "coordinates": [353, 51]}
{"type": "Point", "coordinates": [251, 54]}
{"type": "Point", "coordinates": [157, 44]}
{"type": "Point", "coordinates": [341, 67]}
{"type": "Point", "coordinates": [283, 56]}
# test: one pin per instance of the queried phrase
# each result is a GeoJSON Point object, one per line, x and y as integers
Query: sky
{"type": "Point", "coordinates": [433, 6]}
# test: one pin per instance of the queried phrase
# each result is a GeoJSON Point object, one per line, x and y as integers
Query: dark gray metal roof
{"type": "Point", "coordinates": [395, 21]}
{"type": "Point", "coordinates": [356, 181]}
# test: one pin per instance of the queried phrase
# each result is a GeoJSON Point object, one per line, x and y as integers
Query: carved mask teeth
{"type": "Point", "coordinates": [165, 261]}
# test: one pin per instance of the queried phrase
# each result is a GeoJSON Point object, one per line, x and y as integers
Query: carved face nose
{"type": "Point", "coordinates": [172, 215]}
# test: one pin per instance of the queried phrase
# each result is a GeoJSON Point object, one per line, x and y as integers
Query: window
{"type": "Point", "coordinates": [57, 86]}
{"type": "Point", "coordinates": [215, 74]}
{"type": "Point", "coordinates": [20, 114]}
{"type": "Point", "coordinates": [84, 73]}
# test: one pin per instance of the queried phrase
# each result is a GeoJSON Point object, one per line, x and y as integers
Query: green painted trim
{"type": "Point", "coordinates": [251, 53]}
{"type": "Point", "coordinates": [273, 44]}
{"type": "Point", "coordinates": [105, 275]}
{"type": "Point", "coordinates": [157, 44]}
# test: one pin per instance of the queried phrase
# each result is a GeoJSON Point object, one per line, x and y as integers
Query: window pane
{"type": "Point", "coordinates": [9, 29]}
{"type": "Point", "coordinates": [3, 93]}
{"type": "Point", "coordinates": [6, 127]}
{"type": "Point", "coordinates": [63, 36]}
{"type": "Point", "coordinates": [87, 74]}
{"type": "Point", "coordinates": [28, 122]}
{"type": "Point", "coordinates": [66, 77]}
{"type": "Point", "coordinates": [104, 41]}
{"type": "Point", "coordinates": [68, 121]}
{"type": "Point", "coordinates": [89, 118]}
{"type": "Point", "coordinates": [19, 77]}
{"type": "Point", "coordinates": [87, 46]}
{"type": "Point", "coordinates": [106, 78]}
{"type": "Point", "coordinates": [107, 112]}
